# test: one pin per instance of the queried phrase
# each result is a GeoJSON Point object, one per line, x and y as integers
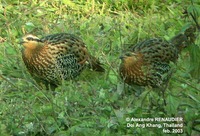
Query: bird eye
{"type": "Point", "coordinates": [29, 38]}
{"type": "Point", "coordinates": [128, 54]}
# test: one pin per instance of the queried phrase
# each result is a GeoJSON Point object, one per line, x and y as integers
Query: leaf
{"type": "Point", "coordinates": [172, 104]}
{"type": "Point", "coordinates": [194, 8]}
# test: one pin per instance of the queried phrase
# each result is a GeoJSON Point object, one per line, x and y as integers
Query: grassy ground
{"type": "Point", "coordinates": [94, 103]}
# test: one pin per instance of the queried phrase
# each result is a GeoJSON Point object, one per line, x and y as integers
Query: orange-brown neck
{"type": "Point", "coordinates": [131, 68]}
{"type": "Point", "coordinates": [31, 49]}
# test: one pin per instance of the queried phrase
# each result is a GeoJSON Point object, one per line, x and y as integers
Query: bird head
{"type": "Point", "coordinates": [30, 41]}
{"type": "Point", "coordinates": [130, 57]}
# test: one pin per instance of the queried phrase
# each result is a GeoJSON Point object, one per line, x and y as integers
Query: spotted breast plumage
{"type": "Point", "coordinates": [148, 62]}
{"type": "Point", "coordinates": [57, 57]}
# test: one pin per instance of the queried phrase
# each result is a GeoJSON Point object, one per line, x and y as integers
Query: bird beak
{"type": "Point", "coordinates": [121, 57]}
{"type": "Point", "coordinates": [21, 41]}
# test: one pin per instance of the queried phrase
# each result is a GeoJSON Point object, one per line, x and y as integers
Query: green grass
{"type": "Point", "coordinates": [94, 103]}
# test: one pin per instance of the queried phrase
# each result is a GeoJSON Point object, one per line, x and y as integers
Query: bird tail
{"type": "Point", "coordinates": [95, 64]}
{"type": "Point", "coordinates": [187, 37]}
{"type": "Point", "coordinates": [184, 39]}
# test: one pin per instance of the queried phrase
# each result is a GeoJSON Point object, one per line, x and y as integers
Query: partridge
{"type": "Point", "coordinates": [57, 57]}
{"type": "Point", "coordinates": [148, 63]}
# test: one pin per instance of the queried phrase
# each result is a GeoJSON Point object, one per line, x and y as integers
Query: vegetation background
{"type": "Point", "coordinates": [95, 103]}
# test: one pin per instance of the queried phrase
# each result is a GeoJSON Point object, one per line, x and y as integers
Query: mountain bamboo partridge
{"type": "Point", "coordinates": [57, 57]}
{"type": "Point", "coordinates": [148, 62]}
